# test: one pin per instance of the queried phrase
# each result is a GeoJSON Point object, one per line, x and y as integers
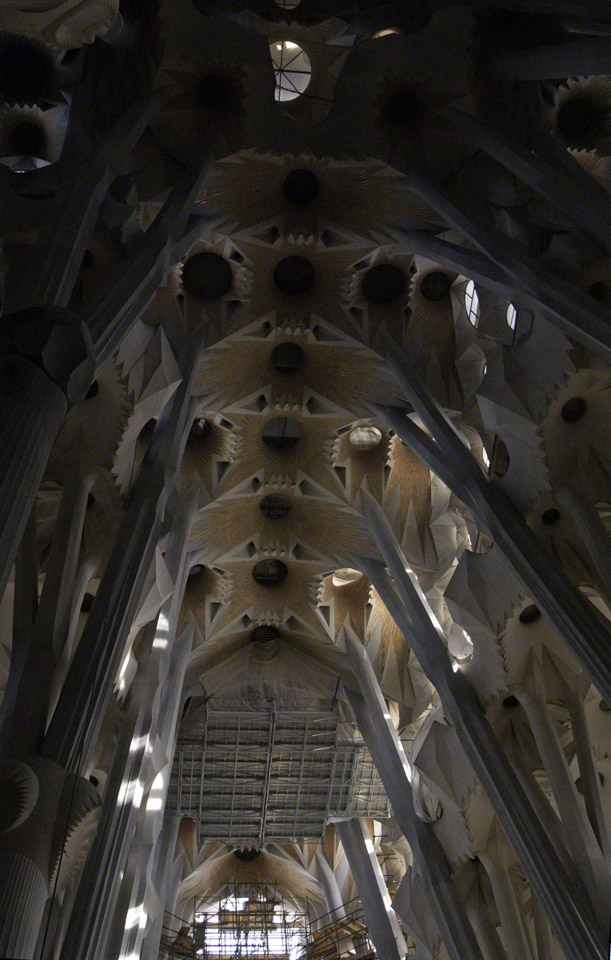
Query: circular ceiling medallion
{"type": "Point", "coordinates": [573, 409]}
{"type": "Point", "coordinates": [365, 438]}
{"type": "Point", "coordinates": [275, 505]}
{"type": "Point", "coordinates": [292, 68]}
{"type": "Point", "coordinates": [383, 283]}
{"type": "Point", "coordinates": [281, 433]}
{"type": "Point", "coordinates": [270, 572]}
{"type": "Point", "coordinates": [207, 276]}
{"type": "Point", "coordinates": [287, 357]}
{"type": "Point", "coordinates": [294, 275]}
{"type": "Point", "coordinates": [265, 634]}
{"type": "Point", "coordinates": [345, 576]}
{"type": "Point", "coordinates": [435, 285]}
{"type": "Point", "coordinates": [213, 92]}
{"type": "Point", "coordinates": [404, 107]}
{"type": "Point", "coordinates": [581, 121]}
{"type": "Point", "coordinates": [301, 187]}
{"type": "Point", "coordinates": [28, 138]}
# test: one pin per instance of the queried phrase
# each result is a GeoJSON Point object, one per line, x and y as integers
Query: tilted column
{"type": "Point", "coordinates": [577, 314]}
{"type": "Point", "coordinates": [578, 623]}
{"type": "Point", "coordinates": [492, 948]}
{"type": "Point", "coordinates": [23, 895]}
{"type": "Point", "coordinates": [590, 780]}
{"type": "Point", "coordinates": [585, 851]}
{"type": "Point", "coordinates": [82, 703]}
{"type": "Point", "coordinates": [32, 409]}
{"type": "Point", "coordinates": [98, 923]}
{"type": "Point", "coordinates": [518, 947]}
{"type": "Point", "coordinates": [328, 884]}
{"type": "Point", "coordinates": [592, 532]}
{"type": "Point", "coordinates": [163, 877]}
{"type": "Point", "coordinates": [566, 902]}
{"type": "Point", "coordinates": [430, 862]}
{"type": "Point", "coordinates": [383, 925]}
{"type": "Point", "coordinates": [578, 195]}
{"type": "Point", "coordinates": [25, 712]}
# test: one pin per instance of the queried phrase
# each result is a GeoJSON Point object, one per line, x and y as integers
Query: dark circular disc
{"type": "Point", "coordinates": [27, 70]}
{"type": "Point", "coordinates": [294, 276]}
{"type": "Point", "coordinates": [213, 92]}
{"type": "Point", "coordinates": [404, 107]}
{"type": "Point", "coordinates": [207, 276]}
{"type": "Point", "coordinates": [287, 357]}
{"type": "Point", "coordinates": [28, 138]}
{"type": "Point", "coordinates": [246, 854]}
{"type": "Point", "coordinates": [200, 429]}
{"type": "Point", "coordinates": [275, 505]}
{"type": "Point", "coordinates": [281, 433]}
{"type": "Point", "coordinates": [383, 283]}
{"type": "Point", "coordinates": [581, 121]}
{"type": "Point", "coordinates": [510, 701]}
{"type": "Point", "coordinates": [573, 409]}
{"type": "Point", "coordinates": [270, 572]}
{"type": "Point", "coordinates": [301, 187]}
{"type": "Point", "coordinates": [435, 285]}
{"type": "Point", "coordinates": [550, 516]}
{"type": "Point", "coordinates": [599, 291]}
{"type": "Point", "coordinates": [529, 614]}
{"type": "Point", "coordinates": [264, 634]}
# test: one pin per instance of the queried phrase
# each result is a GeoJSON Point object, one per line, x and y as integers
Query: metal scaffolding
{"type": "Point", "coordinates": [250, 921]}
{"type": "Point", "coordinates": [266, 774]}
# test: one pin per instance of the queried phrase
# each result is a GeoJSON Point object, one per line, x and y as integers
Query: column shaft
{"type": "Point", "coordinates": [381, 919]}
{"type": "Point", "coordinates": [569, 909]}
{"type": "Point", "coordinates": [32, 410]}
{"type": "Point", "coordinates": [578, 623]}
{"type": "Point", "coordinates": [23, 895]}
{"type": "Point", "coordinates": [518, 947]}
{"type": "Point", "coordinates": [391, 763]}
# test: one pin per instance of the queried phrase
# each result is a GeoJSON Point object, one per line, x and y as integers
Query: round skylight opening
{"type": "Point", "coordinates": [472, 303]}
{"type": "Point", "coordinates": [292, 68]}
{"type": "Point", "coordinates": [365, 437]}
{"type": "Point", "coordinates": [345, 576]}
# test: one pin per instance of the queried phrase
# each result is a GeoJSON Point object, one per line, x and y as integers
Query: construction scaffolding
{"type": "Point", "coordinates": [254, 776]}
{"type": "Point", "coordinates": [251, 921]}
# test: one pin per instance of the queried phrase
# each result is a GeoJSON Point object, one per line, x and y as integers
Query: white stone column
{"type": "Point", "coordinates": [567, 903]}
{"type": "Point", "coordinates": [23, 895]}
{"type": "Point", "coordinates": [518, 946]}
{"type": "Point", "coordinates": [381, 919]}
{"type": "Point", "coordinates": [582, 843]}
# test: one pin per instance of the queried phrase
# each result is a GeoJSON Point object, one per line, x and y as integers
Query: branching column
{"type": "Point", "coordinates": [566, 902]}
{"type": "Point", "coordinates": [387, 752]}
{"type": "Point", "coordinates": [581, 626]}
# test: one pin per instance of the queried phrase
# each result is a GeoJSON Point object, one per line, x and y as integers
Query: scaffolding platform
{"type": "Point", "coordinates": [260, 775]}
